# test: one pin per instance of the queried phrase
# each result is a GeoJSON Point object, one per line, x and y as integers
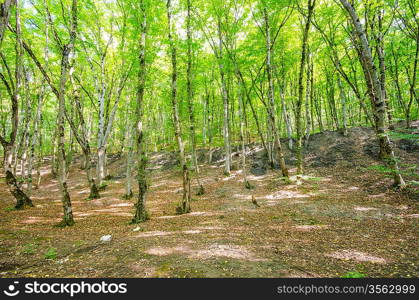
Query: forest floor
{"type": "Point", "coordinates": [342, 217]}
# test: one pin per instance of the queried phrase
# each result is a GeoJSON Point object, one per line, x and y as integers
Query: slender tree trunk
{"type": "Point", "coordinates": [128, 186]}
{"type": "Point", "coordinates": [141, 213]}
{"type": "Point", "coordinates": [94, 191]}
{"type": "Point", "coordinates": [33, 142]}
{"type": "Point", "coordinates": [184, 205]}
{"type": "Point", "coordinates": [101, 151]}
{"type": "Point", "coordinates": [382, 68]}
{"type": "Point", "coordinates": [242, 138]}
{"type": "Point", "coordinates": [343, 102]}
{"type": "Point", "coordinates": [298, 147]}
{"type": "Point", "coordinates": [318, 105]}
{"type": "Point", "coordinates": [271, 99]}
{"type": "Point", "coordinates": [54, 169]}
{"type": "Point", "coordinates": [62, 165]}
{"type": "Point", "coordinates": [83, 141]}
{"type": "Point", "coordinates": [22, 199]}
{"type": "Point", "coordinates": [412, 84]}
{"type": "Point", "coordinates": [375, 94]}
{"type": "Point", "coordinates": [307, 102]}
{"type": "Point", "coordinates": [4, 17]}
{"type": "Point", "coordinates": [39, 157]}
{"type": "Point", "coordinates": [189, 76]}
{"type": "Point", "coordinates": [224, 93]}
{"type": "Point", "coordinates": [287, 120]}
{"type": "Point", "coordinates": [9, 147]}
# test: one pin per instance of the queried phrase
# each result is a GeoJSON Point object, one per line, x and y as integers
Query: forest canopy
{"type": "Point", "coordinates": [141, 76]}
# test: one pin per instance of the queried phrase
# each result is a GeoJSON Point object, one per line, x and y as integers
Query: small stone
{"type": "Point", "coordinates": [64, 260]}
{"type": "Point", "coordinates": [137, 229]}
{"type": "Point", "coordinates": [106, 238]}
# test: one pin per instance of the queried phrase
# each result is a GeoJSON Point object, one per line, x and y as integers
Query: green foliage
{"type": "Point", "coordinates": [29, 248]}
{"type": "Point", "coordinates": [79, 243]}
{"type": "Point", "coordinates": [102, 187]}
{"type": "Point", "coordinates": [354, 274]}
{"type": "Point", "coordinates": [51, 253]}
{"type": "Point", "coordinates": [286, 180]}
{"type": "Point", "coordinates": [381, 168]}
{"type": "Point", "coordinates": [315, 179]}
{"type": "Point", "coordinates": [403, 135]}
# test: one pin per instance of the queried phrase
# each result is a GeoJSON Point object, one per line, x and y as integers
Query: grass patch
{"type": "Point", "coordinates": [403, 135]}
{"type": "Point", "coordinates": [29, 249]}
{"type": "Point", "coordinates": [51, 253]}
{"type": "Point", "coordinates": [354, 274]}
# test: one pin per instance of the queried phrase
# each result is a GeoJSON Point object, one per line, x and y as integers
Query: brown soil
{"type": "Point", "coordinates": [342, 217]}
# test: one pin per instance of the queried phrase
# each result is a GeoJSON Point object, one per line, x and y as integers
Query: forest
{"type": "Point", "coordinates": [217, 138]}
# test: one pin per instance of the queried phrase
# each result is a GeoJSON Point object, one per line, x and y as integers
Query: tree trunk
{"type": "Point", "coordinates": [242, 138]}
{"type": "Point", "coordinates": [298, 147]}
{"type": "Point", "coordinates": [374, 89]}
{"type": "Point", "coordinates": [4, 17]}
{"type": "Point", "coordinates": [184, 205]}
{"type": "Point", "coordinates": [382, 68]}
{"type": "Point", "coordinates": [9, 146]}
{"type": "Point", "coordinates": [307, 102]}
{"type": "Point", "coordinates": [141, 213]}
{"type": "Point", "coordinates": [62, 165]}
{"type": "Point", "coordinates": [271, 99]}
{"type": "Point", "coordinates": [21, 198]}
{"type": "Point", "coordinates": [224, 93]}
{"type": "Point", "coordinates": [54, 170]}
{"type": "Point", "coordinates": [128, 186]}
{"type": "Point", "coordinates": [94, 191]}
{"type": "Point", "coordinates": [190, 97]}
{"type": "Point", "coordinates": [343, 102]}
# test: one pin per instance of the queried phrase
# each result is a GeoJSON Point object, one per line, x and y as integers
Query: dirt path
{"type": "Point", "coordinates": [327, 226]}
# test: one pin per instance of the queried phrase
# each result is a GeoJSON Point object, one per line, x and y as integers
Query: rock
{"type": "Point", "coordinates": [137, 229]}
{"type": "Point", "coordinates": [371, 150]}
{"type": "Point", "coordinates": [106, 238]}
{"type": "Point", "coordinates": [258, 169]}
{"type": "Point", "coordinates": [217, 155]}
{"type": "Point", "coordinates": [409, 145]}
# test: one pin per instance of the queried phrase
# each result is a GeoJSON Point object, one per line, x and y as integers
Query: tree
{"type": "Point", "coordinates": [14, 89]}
{"type": "Point", "coordinates": [190, 96]}
{"type": "Point", "coordinates": [375, 89]}
{"type": "Point", "coordinates": [271, 103]}
{"type": "Point", "coordinates": [141, 213]}
{"type": "Point", "coordinates": [184, 206]}
{"type": "Point", "coordinates": [299, 129]}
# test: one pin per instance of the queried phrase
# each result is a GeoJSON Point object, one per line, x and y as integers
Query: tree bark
{"type": "Point", "coordinates": [14, 92]}
{"type": "Point", "coordinates": [299, 129]}
{"type": "Point", "coordinates": [4, 17]}
{"type": "Point", "coordinates": [343, 103]}
{"type": "Point", "coordinates": [62, 164]}
{"type": "Point", "coordinates": [375, 93]}
{"type": "Point", "coordinates": [184, 205]}
{"type": "Point", "coordinates": [224, 93]}
{"type": "Point", "coordinates": [141, 213]}
{"type": "Point", "coordinates": [190, 96]}
{"type": "Point", "coordinates": [271, 99]}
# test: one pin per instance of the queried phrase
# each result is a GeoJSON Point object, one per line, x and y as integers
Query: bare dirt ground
{"type": "Point", "coordinates": [343, 217]}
